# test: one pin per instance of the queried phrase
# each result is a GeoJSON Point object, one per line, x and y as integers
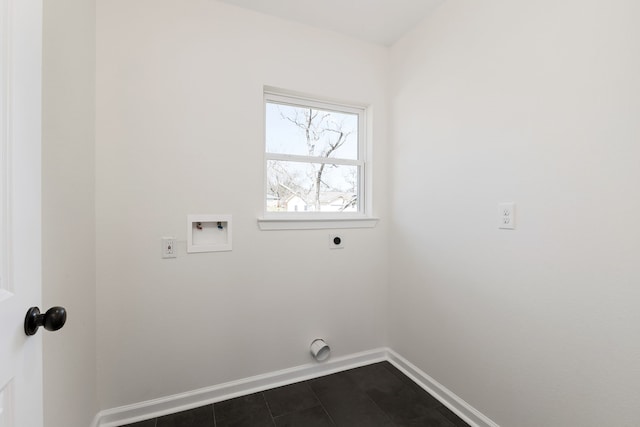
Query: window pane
{"type": "Point", "coordinates": [311, 132]}
{"type": "Point", "coordinates": [292, 187]}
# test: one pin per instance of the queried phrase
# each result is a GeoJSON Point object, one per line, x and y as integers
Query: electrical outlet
{"type": "Point", "coordinates": [168, 247]}
{"type": "Point", "coordinates": [507, 216]}
{"type": "Point", "coordinates": [336, 241]}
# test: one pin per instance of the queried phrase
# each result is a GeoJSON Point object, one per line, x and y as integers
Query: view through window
{"type": "Point", "coordinates": [314, 159]}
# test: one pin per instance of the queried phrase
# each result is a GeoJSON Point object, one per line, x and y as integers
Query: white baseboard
{"type": "Point", "coordinates": [468, 413]}
{"type": "Point", "coordinates": [184, 401]}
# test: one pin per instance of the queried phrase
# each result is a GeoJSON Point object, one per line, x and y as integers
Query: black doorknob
{"type": "Point", "coordinates": [52, 320]}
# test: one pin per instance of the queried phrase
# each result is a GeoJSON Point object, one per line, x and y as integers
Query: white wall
{"type": "Point", "coordinates": [179, 131]}
{"type": "Point", "coordinates": [68, 214]}
{"type": "Point", "coordinates": [535, 103]}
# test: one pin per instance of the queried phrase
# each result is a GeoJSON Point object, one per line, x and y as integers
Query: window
{"type": "Point", "coordinates": [314, 159]}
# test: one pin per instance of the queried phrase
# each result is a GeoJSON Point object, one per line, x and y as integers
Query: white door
{"type": "Point", "coordinates": [20, 228]}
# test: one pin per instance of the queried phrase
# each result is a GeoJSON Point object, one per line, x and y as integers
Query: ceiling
{"type": "Point", "coordinates": [376, 21]}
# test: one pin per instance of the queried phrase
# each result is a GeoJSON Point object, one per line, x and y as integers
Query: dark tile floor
{"type": "Point", "coordinates": [371, 396]}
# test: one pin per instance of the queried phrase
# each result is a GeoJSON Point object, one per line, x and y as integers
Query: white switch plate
{"type": "Point", "coordinates": [507, 216]}
{"type": "Point", "coordinates": [168, 247]}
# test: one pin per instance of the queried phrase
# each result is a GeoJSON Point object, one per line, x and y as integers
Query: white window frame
{"type": "Point", "coordinates": [321, 220]}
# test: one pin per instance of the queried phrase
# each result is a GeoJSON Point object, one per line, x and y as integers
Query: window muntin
{"type": "Point", "coordinates": [314, 155]}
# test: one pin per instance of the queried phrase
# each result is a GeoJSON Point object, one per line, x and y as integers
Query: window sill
{"type": "Point", "coordinates": [268, 224]}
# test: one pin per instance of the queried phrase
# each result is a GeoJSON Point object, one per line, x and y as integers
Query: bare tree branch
{"type": "Point", "coordinates": [320, 131]}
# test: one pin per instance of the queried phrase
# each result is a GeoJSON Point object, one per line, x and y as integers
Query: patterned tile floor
{"type": "Point", "coordinates": [370, 396]}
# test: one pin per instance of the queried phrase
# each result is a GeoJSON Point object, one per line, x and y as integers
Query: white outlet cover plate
{"type": "Point", "coordinates": [507, 216]}
{"type": "Point", "coordinates": [332, 244]}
